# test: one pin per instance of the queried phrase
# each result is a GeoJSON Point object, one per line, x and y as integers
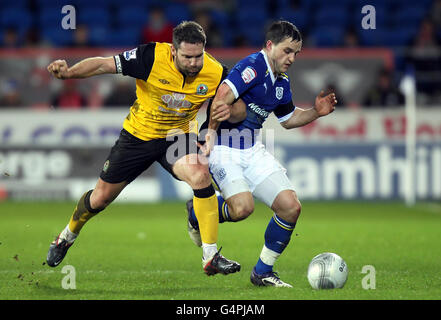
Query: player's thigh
{"type": "Point", "coordinates": [227, 172]}
{"type": "Point", "coordinates": [274, 184]}
{"type": "Point", "coordinates": [129, 157]}
{"type": "Point", "coordinates": [183, 161]}
{"type": "Point", "coordinates": [265, 175]}
{"type": "Point", "coordinates": [193, 169]}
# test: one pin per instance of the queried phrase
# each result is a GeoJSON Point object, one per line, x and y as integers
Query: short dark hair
{"type": "Point", "coordinates": [280, 30]}
{"type": "Point", "coordinates": [188, 31]}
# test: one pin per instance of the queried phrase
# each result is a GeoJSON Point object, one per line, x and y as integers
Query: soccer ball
{"type": "Point", "coordinates": [327, 271]}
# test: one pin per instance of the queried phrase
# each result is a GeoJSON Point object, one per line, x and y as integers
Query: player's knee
{"type": "Point", "coordinates": [242, 211]}
{"type": "Point", "coordinates": [293, 209]}
{"type": "Point", "coordinates": [290, 209]}
{"type": "Point", "coordinates": [297, 209]}
{"type": "Point", "coordinates": [199, 178]}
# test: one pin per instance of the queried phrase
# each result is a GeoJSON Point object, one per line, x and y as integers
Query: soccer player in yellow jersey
{"type": "Point", "coordinates": [172, 82]}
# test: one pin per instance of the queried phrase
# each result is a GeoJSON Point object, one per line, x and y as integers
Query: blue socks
{"type": "Point", "coordinates": [223, 210]}
{"type": "Point", "coordinates": [277, 236]}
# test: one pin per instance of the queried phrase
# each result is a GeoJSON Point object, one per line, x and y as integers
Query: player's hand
{"type": "Point", "coordinates": [210, 138]}
{"type": "Point", "coordinates": [59, 69]}
{"type": "Point", "coordinates": [221, 112]}
{"type": "Point", "coordinates": [325, 104]}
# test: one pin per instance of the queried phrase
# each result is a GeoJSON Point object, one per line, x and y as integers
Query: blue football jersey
{"type": "Point", "coordinates": [254, 82]}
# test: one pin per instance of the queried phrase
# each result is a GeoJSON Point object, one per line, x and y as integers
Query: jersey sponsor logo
{"type": "Point", "coordinates": [202, 89]}
{"type": "Point", "coordinates": [258, 110]}
{"type": "Point", "coordinates": [129, 55]}
{"type": "Point", "coordinates": [279, 92]}
{"type": "Point", "coordinates": [173, 112]}
{"type": "Point", "coordinates": [175, 101]}
{"type": "Point", "coordinates": [248, 74]}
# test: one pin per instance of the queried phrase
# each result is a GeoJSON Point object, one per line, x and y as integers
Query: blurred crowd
{"type": "Point", "coordinates": [413, 32]}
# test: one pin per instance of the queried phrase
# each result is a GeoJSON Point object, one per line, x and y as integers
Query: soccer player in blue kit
{"type": "Point", "coordinates": [239, 163]}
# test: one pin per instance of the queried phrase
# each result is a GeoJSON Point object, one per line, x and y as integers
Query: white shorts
{"type": "Point", "coordinates": [252, 170]}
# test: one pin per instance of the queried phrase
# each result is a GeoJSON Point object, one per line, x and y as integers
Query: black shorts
{"type": "Point", "coordinates": [131, 156]}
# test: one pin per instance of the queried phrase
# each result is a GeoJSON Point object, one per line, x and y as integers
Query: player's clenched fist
{"type": "Point", "coordinates": [59, 69]}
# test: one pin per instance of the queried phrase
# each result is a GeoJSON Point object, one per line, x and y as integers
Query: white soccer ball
{"type": "Point", "coordinates": [327, 271]}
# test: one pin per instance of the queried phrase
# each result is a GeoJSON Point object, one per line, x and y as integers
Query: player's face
{"type": "Point", "coordinates": [189, 58]}
{"type": "Point", "coordinates": [283, 54]}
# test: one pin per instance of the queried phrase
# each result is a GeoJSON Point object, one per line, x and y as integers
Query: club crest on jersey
{"type": "Point", "coordinates": [128, 55]}
{"type": "Point", "coordinates": [221, 174]}
{"type": "Point", "coordinates": [279, 92]}
{"type": "Point", "coordinates": [248, 74]}
{"type": "Point", "coordinates": [202, 89]}
{"type": "Point", "coordinates": [106, 165]}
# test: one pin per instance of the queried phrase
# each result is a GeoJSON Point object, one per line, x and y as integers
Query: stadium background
{"type": "Point", "coordinates": [55, 135]}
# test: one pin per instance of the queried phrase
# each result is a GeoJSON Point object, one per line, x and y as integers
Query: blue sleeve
{"type": "Point", "coordinates": [284, 111]}
{"type": "Point", "coordinates": [286, 107]}
{"type": "Point", "coordinates": [287, 94]}
{"type": "Point", "coordinates": [245, 75]}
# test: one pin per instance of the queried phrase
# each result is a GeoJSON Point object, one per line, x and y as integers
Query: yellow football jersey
{"type": "Point", "coordinates": [167, 102]}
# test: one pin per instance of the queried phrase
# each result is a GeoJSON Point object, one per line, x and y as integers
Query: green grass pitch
{"type": "Point", "coordinates": [142, 251]}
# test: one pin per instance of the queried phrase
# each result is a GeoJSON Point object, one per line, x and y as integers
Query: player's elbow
{"type": "Point", "coordinates": [223, 90]}
{"type": "Point", "coordinates": [224, 95]}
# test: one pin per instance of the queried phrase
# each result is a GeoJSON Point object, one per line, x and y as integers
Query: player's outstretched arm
{"type": "Point", "coordinates": [85, 68]}
{"type": "Point", "coordinates": [238, 111]}
{"type": "Point", "coordinates": [220, 111]}
{"type": "Point", "coordinates": [221, 106]}
{"type": "Point", "coordinates": [324, 105]}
